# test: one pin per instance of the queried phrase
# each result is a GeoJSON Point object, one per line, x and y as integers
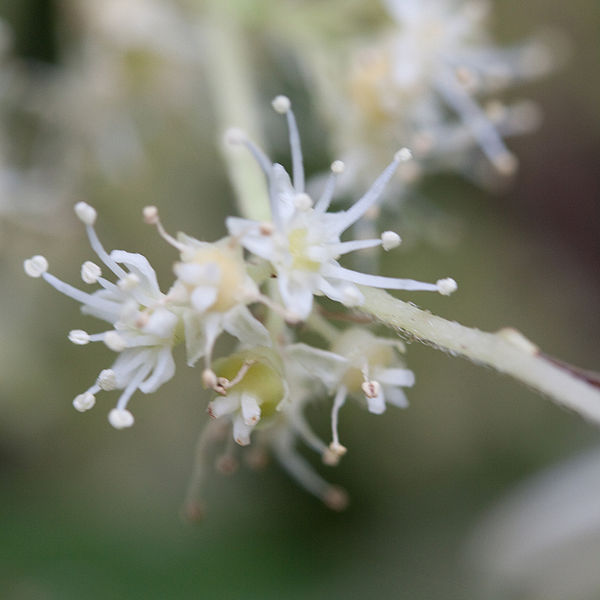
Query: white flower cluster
{"type": "Point", "coordinates": [264, 385]}
{"type": "Point", "coordinates": [421, 80]}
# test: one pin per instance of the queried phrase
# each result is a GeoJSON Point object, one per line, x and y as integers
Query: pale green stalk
{"type": "Point", "coordinates": [507, 351]}
{"type": "Point", "coordinates": [234, 105]}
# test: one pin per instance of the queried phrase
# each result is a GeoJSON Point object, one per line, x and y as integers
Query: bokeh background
{"type": "Point", "coordinates": [90, 512]}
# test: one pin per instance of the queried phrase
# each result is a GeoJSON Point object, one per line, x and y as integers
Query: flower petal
{"type": "Point", "coordinates": [163, 371]}
{"type": "Point", "coordinates": [242, 324]}
{"type": "Point", "coordinates": [326, 366]}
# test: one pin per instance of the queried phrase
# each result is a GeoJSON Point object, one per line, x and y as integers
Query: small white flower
{"type": "Point", "coordinates": [359, 364]}
{"type": "Point", "coordinates": [213, 290]}
{"type": "Point", "coordinates": [143, 326]}
{"type": "Point", "coordinates": [251, 389]}
{"type": "Point", "coordinates": [304, 243]}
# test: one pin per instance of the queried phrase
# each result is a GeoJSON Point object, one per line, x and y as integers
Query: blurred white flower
{"type": "Point", "coordinates": [360, 364]}
{"type": "Point", "coordinates": [418, 84]}
{"type": "Point", "coordinates": [543, 540]}
{"type": "Point", "coordinates": [212, 290]}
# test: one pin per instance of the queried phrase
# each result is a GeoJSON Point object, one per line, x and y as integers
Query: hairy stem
{"type": "Point", "coordinates": [507, 351]}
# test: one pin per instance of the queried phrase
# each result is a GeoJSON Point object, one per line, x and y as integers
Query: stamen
{"type": "Point", "coordinates": [337, 168]}
{"type": "Point", "coordinates": [91, 300]}
{"type": "Point", "coordinates": [223, 384]}
{"type": "Point", "coordinates": [338, 402]}
{"type": "Point", "coordinates": [362, 205]}
{"type": "Point", "coordinates": [283, 105]}
{"type": "Point", "coordinates": [193, 507]}
{"type": "Point", "coordinates": [299, 469]}
{"type": "Point", "coordinates": [151, 218]}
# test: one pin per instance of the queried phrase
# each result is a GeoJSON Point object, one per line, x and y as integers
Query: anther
{"type": "Point", "coordinates": [86, 213]}
{"type": "Point", "coordinates": [107, 380]}
{"type": "Point", "coordinates": [79, 337]}
{"type": "Point", "coordinates": [371, 389]}
{"type": "Point", "coordinates": [120, 418]}
{"type": "Point", "coordinates": [390, 239]}
{"type": "Point", "coordinates": [337, 167]}
{"type": "Point", "coordinates": [446, 286]}
{"type": "Point", "coordinates": [403, 155]}
{"type": "Point", "coordinates": [35, 266]}
{"type": "Point", "coordinates": [281, 104]}
{"type": "Point", "coordinates": [150, 214]}
{"type": "Point", "coordinates": [84, 401]}
{"type": "Point", "coordinates": [90, 272]}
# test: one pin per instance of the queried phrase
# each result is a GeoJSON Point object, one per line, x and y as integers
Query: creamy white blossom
{"type": "Point", "coordinates": [143, 326]}
{"type": "Point", "coordinates": [303, 240]}
{"type": "Point", "coordinates": [213, 290]}
{"type": "Point", "coordinates": [251, 389]}
{"type": "Point", "coordinates": [360, 364]}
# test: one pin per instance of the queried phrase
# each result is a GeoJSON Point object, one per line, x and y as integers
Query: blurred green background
{"type": "Point", "coordinates": [90, 512]}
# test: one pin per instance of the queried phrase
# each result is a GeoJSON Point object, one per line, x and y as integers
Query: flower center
{"type": "Point", "coordinates": [298, 246]}
{"type": "Point", "coordinates": [231, 275]}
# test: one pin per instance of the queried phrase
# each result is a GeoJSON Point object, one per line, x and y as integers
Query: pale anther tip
{"type": "Point", "coordinates": [90, 272]}
{"type": "Point", "coordinates": [337, 167]}
{"type": "Point", "coordinates": [86, 213]}
{"type": "Point", "coordinates": [234, 136]}
{"type": "Point", "coordinates": [390, 239]}
{"type": "Point", "coordinates": [281, 104]}
{"type": "Point", "coordinates": [107, 380]}
{"type": "Point", "coordinates": [150, 214]}
{"type": "Point", "coordinates": [403, 155]}
{"type": "Point", "coordinates": [35, 266]}
{"type": "Point", "coordinates": [446, 286]}
{"type": "Point", "coordinates": [120, 418]}
{"type": "Point", "coordinates": [84, 401]}
{"type": "Point", "coordinates": [79, 337]}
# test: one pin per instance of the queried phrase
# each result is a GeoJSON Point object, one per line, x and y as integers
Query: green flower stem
{"type": "Point", "coordinates": [507, 351]}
